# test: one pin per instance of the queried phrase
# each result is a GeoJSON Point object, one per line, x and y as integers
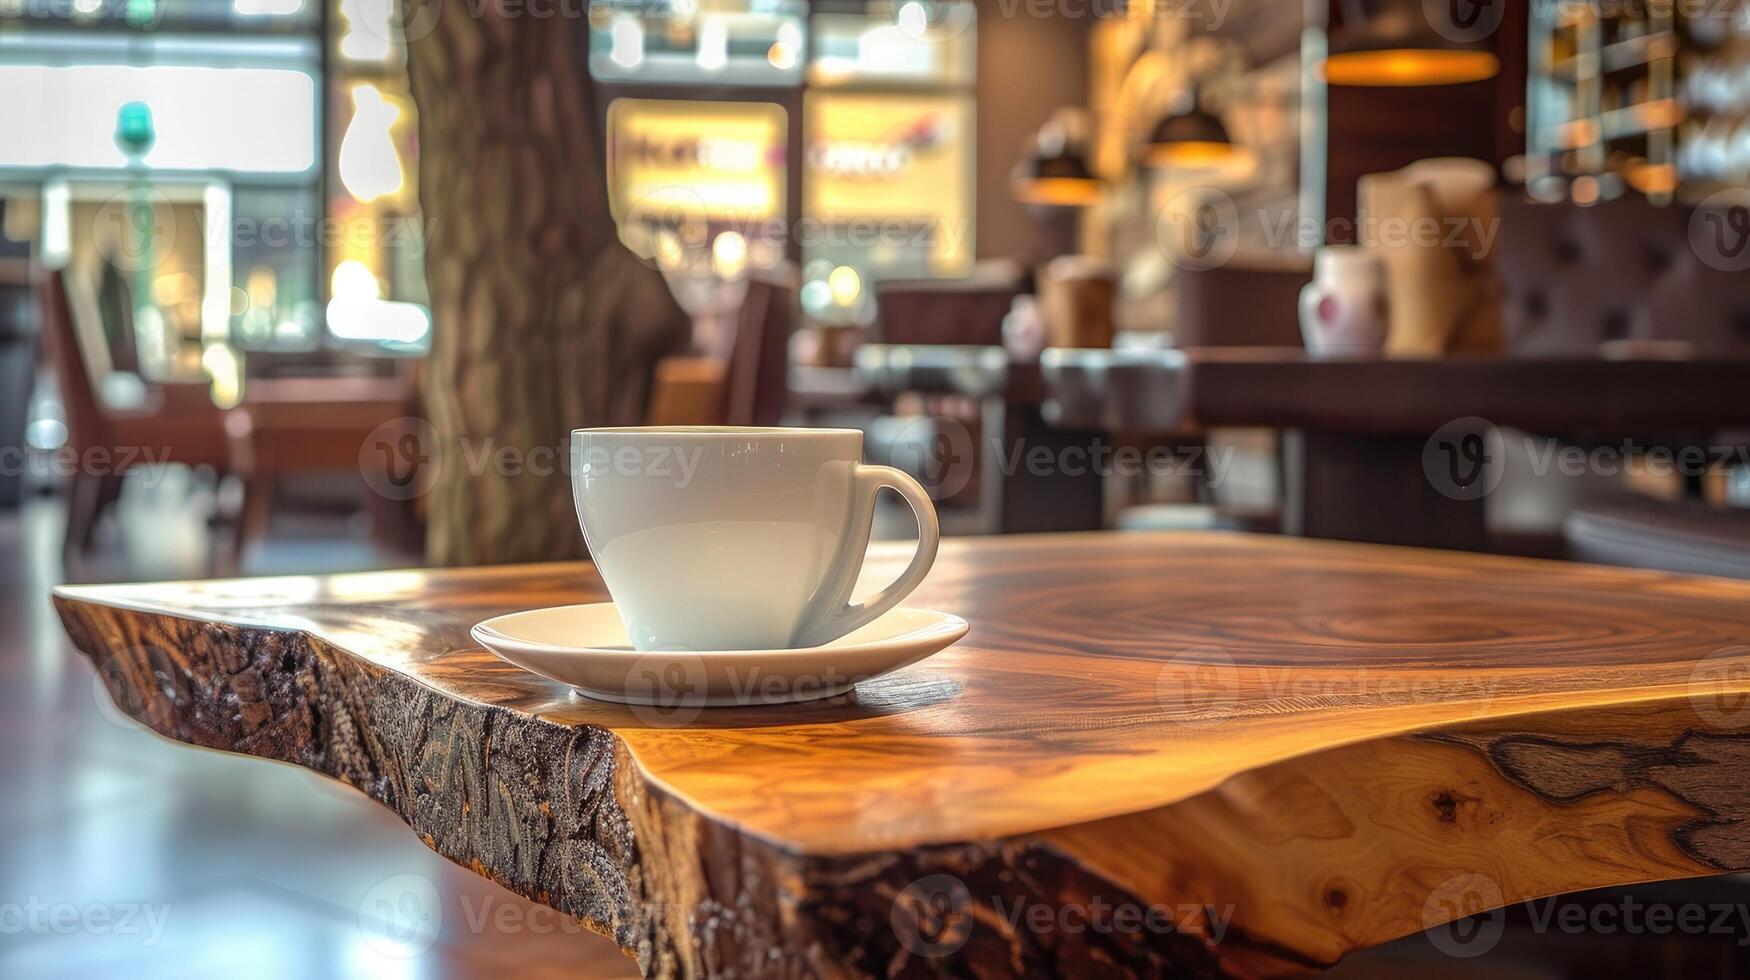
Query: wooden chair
{"type": "Point", "coordinates": [749, 387]}
{"type": "Point", "coordinates": [948, 311]}
{"type": "Point", "coordinates": [17, 367]}
{"type": "Point", "coordinates": [175, 423]}
{"type": "Point", "coordinates": [287, 426]}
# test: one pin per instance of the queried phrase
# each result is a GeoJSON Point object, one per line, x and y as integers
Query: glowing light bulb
{"type": "Point", "coordinates": [353, 279]}
{"type": "Point", "coordinates": [627, 43]}
{"type": "Point", "coordinates": [729, 255]}
{"type": "Point", "coordinates": [713, 45]}
{"type": "Point", "coordinates": [225, 372]}
{"type": "Point", "coordinates": [369, 165]}
{"type": "Point", "coordinates": [784, 51]}
{"type": "Point", "coordinates": [845, 284]}
{"type": "Point", "coordinates": [913, 20]}
{"type": "Point", "coordinates": [358, 311]}
{"type": "Point", "coordinates": [669, 254]}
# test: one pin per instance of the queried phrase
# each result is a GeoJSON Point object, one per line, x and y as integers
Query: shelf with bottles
{"type": "Point", "coordinates": [1615, 58]}
{"type": "Point", "coordinates": [1605, 93]}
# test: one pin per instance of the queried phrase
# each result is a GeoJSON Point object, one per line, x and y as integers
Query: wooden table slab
{"type": "Point", "coordinates": [1270, 751]}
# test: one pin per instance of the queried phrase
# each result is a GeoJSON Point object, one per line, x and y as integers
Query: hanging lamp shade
{"type": "Point", "coordinates": [1055, 174]}
{"type": "Point", "coordinates": [1411, 42]}
{"type": "Point", "coordinates": [1188, 137]}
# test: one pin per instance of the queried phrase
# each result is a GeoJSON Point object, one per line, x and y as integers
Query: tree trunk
{"type": "Point", "coordinates": [542, 321]}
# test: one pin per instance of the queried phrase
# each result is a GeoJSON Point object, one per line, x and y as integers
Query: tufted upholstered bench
{"type": "Point", "coordinates": [1576, 280]}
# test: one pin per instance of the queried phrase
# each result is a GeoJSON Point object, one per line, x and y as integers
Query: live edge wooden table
{"type": "Point", "coordinates": [1385, 449]}
{"type": "Point", "coordinates": [1155, 754]}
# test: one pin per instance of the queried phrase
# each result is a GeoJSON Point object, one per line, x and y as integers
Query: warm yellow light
{"type": "Point", "coordinates": [781, 56]}
{"type": "Point", "coordinates": [845, 285]}
{"type": "Point", "coordinates": [1659, 114]}
{"type": "Point", "coordinates": [1586, 190]}
{"type": "Point", "coordinates": [1069, 192]}
{"type": "Point", "coordinates": [669, 253]}
{"type": "Point", "coordinates": [729, 255]}
{"type": "Point", "coordinates": [354, 280]}
{"type": "Point", "coordinates": [1653, 178]}
{"type": "Point", "coordinates": [1190, 153]}
{"type": "Point", "coordinates": [174, 289]}
{"type": "Point", "coordinates": [262, 286]}
{"type": "Point", "coordinates": [1410, 66]}
{"type": "Point", "coordinates": [225, 370]}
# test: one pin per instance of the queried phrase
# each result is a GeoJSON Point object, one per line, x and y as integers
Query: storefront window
{"type": "Point", "coordinates": [216, 125]}
{"type": "Point", "coordinates": [884, 165]}
{"type": "Point", "coordinates": [713, 42]}
{"type": "Point", "coordinates": [912, 43]}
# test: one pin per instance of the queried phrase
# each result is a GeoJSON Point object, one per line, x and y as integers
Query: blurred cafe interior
{"type": "Point", "coordinates": [292, 288]}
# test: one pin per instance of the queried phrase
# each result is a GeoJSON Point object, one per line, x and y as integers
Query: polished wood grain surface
{"type": "Point", "coordinates": [1307, 747]}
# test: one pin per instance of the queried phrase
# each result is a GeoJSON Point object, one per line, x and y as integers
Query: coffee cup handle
{"type": "Point", "coordinates": [844, 616]}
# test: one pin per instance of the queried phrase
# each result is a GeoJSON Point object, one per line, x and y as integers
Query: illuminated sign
{"type": "Point", "coordinates": [893, 172]}
{"type": "Point", "coordinates": [884, 159]}
{"type": "Point", "coordinates": [707, 159]}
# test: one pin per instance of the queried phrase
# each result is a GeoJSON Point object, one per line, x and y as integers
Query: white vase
{"type": "Point", "coordinates": [1343, 310]}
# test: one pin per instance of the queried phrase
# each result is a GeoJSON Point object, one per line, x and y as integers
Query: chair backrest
{"type": "Point", "coordinates": [115, 308]}
{"type": "Point", "coordinates": [947, 311]}
{"type": "Point", "coordinates": [85, 419]}
{"type": "Point", "coordinates": [757, 374]}
{"type": "Point", "coordinates": [1573, 277]}
{"type": "Point", "coordinates": [1239, 305]}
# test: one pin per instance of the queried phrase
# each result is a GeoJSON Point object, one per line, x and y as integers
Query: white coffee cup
{"type": "Point", "coordinates": [729, 538]}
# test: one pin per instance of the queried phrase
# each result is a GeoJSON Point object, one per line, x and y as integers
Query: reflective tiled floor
{"type": "Point", "coordinates": [124, 854]}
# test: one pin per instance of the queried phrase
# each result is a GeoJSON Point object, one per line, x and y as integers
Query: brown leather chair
{"type": "Point", "coordinates": [175, 423]}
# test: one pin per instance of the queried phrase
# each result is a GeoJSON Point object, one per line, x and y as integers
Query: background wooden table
{"type": "Point", "coordinates": [1360, 434]}
{"type": "Point", "coordinates": [1268, 751]}
{"type": "Point", "coordinates": [1019, 498]}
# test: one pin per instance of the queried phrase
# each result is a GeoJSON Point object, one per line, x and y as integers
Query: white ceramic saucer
{"type": "Point", "coordinates": [586, 647]}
